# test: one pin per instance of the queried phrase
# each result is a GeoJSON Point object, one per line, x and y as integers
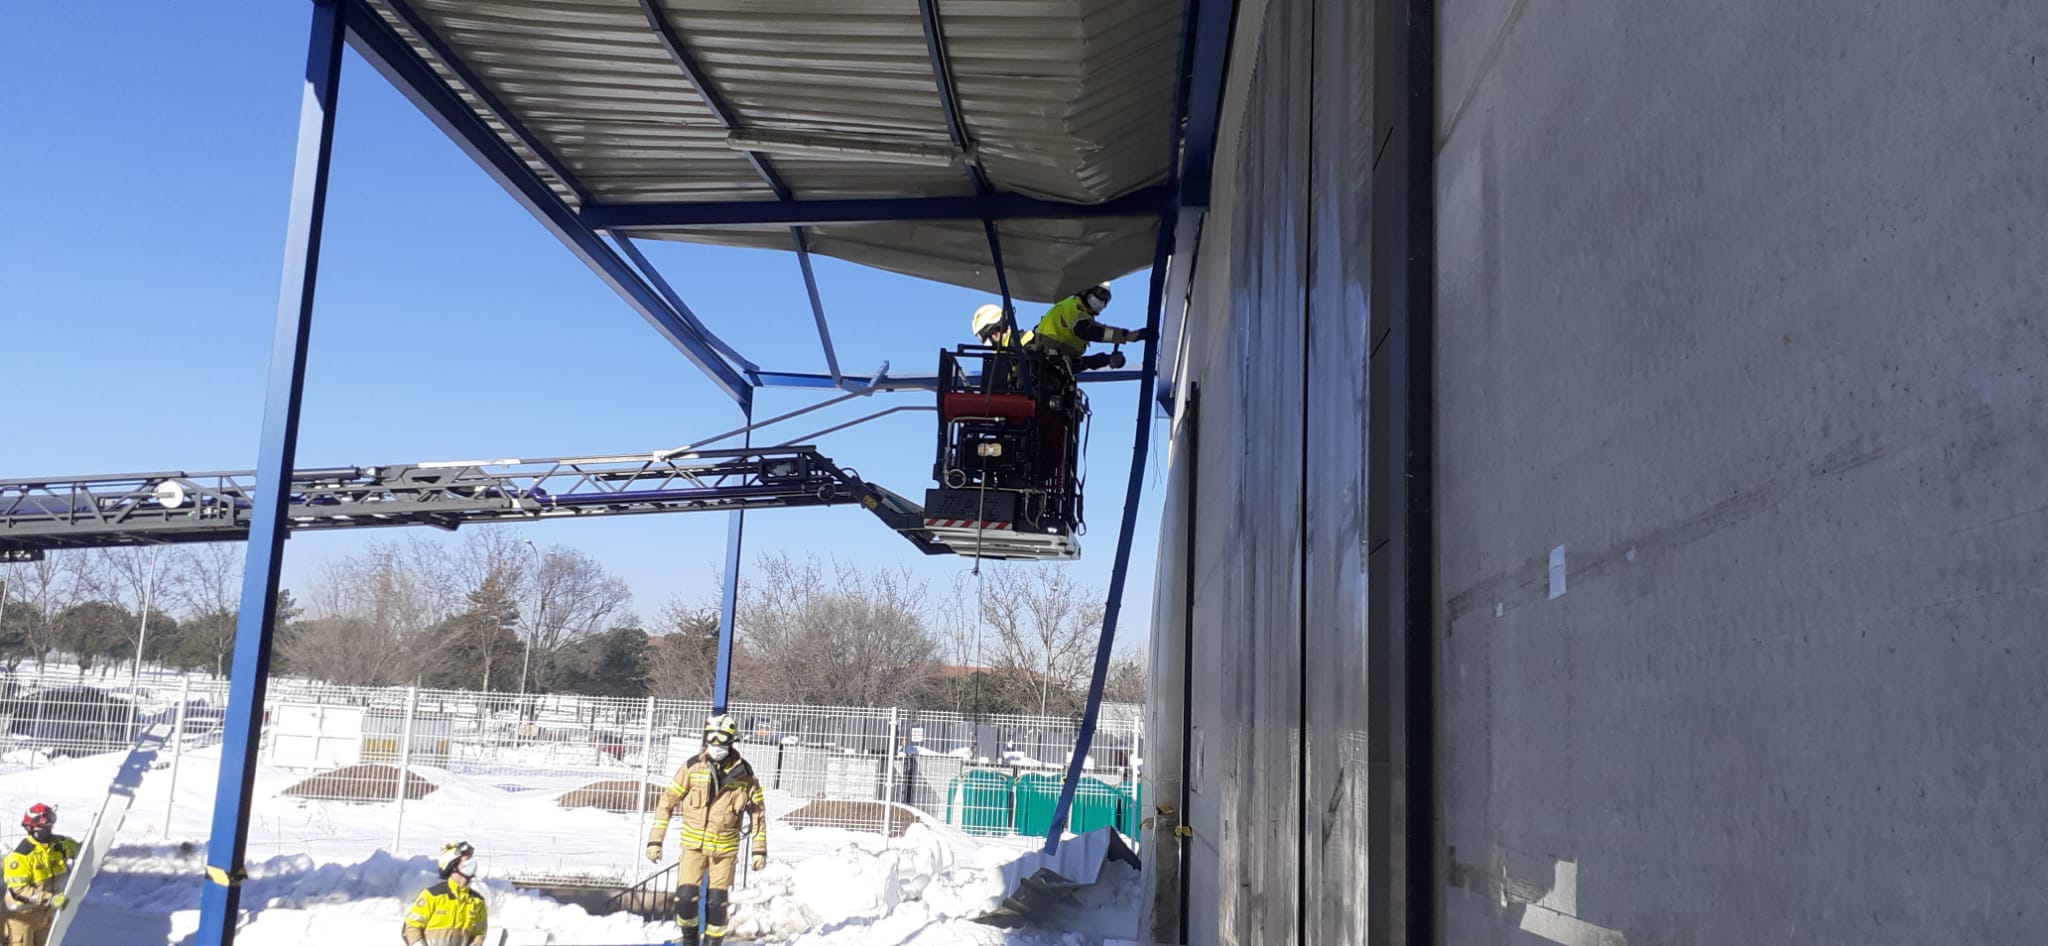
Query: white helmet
{"type": "Point", "coordinates": [988, 320]}
{"type": "Point", "coordinates": [452, 856]}
{"type": "Point", "coordinates": [1094, 298]}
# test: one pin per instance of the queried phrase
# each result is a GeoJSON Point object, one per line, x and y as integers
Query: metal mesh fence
{"type": "Point", "coordinates": [861, 768]}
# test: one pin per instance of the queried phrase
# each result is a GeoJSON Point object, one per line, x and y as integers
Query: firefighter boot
{"type": "Point", "coordinates": [689, 938]}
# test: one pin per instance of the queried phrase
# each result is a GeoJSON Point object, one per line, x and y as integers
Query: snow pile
{"type": "Point", "coordinates": [927, 889]}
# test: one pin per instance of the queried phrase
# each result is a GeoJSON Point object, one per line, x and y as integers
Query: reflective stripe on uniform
{"type": "Point", "coordinates": [448, 915]}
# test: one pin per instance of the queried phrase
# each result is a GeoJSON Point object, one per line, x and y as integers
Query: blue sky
{"type": "Point", "coordinates": [148, 168]}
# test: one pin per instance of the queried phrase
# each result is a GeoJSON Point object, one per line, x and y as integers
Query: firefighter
{"type": "Point", "coordinates": [714, 789]}
{"type": "Point", "coordinates": [450, 913]}
{"type": "Point", "coordinates": [36, 871]}
{"type": "Point", "coordinates": [988, 327]}
{"type": "Point", "coordinates": [1070, 325]}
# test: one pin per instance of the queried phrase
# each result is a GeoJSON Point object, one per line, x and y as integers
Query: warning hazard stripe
{"type": "Point", "coordinates": [964, 524]}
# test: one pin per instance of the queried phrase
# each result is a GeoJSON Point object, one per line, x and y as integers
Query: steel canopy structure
{"type": "Point", "coordinates": [1028, 147]}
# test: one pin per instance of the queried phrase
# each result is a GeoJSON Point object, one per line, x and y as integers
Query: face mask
{"type": "Point", "coordinates": [718, 753]}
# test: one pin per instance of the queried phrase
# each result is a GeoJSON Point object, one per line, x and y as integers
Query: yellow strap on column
{"type": "Point", "coordinates": [1183, 832]}
{"type": "Point", "coordinates": [225, 878]}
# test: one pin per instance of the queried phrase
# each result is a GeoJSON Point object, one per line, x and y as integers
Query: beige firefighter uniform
{"type": "Point", "coordinates": [709, 801]}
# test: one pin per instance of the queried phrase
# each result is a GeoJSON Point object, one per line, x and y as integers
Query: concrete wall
{"type": "Point", "coordinates": [1742, 305]}
{"type": "Point", "coordinates": [1740, 324]}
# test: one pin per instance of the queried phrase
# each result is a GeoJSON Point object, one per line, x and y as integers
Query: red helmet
{"type": "Point", "coordinates": [39, 816]}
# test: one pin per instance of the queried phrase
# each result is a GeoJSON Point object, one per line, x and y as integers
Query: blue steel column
{"type": "Point", "coordinates": [248, 679]}
{"type": "Point", "coordinates": [1121, 566]}
{"type": "Point", "coordinates": [729, 595]}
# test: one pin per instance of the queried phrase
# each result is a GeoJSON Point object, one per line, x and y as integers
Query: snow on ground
{"type": "Point", "coordinates": [335, 873]}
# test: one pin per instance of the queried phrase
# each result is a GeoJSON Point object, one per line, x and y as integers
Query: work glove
{"type": "Point", "coordinates": [1116, 359]}
{"type": "Point", "coordinates": [58, 901]}
{"type": "Point", "coordinates": [1142, 334]}
{"type": "Point", "coordinates": [654, 852]}
{"type": "Point", "coordinates": [759, 861]}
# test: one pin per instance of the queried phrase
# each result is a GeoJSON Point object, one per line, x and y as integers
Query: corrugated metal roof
{"type": "Point", "coordinates": [1064, 99]}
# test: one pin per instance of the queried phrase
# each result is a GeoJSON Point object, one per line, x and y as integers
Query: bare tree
{"type": "Point", "coordinates": [1045, 627]}
{"type": "Point", "coordinates": [841, 634]}
{"type": "Point", "coordinates": [682, 651]}
{"type": "Point", "coordinates": [1127, 679]}
{"type": "Point", "coordinates": [572, 597]}
{"type": "Point", "coordinates": [375, 617]}
{"type": "Point", "coordinates": [47, 588]}
{"type": "Point", "coordinates": [142, 581]}
{"type": "Point", "coordinates": [209, 592]}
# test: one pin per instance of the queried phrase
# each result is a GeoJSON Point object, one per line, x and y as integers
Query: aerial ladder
{"type": "Point", "coordinates": [175, 506]}
{"type": "Point", "coordinates": [1007, 484]}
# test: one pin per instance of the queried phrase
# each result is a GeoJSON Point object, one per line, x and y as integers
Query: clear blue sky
{"type": "Point", "coordinates": [148, 167]}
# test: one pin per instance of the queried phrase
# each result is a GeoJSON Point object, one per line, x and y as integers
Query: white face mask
{"type": "Point", "coordinates": [718, 753]}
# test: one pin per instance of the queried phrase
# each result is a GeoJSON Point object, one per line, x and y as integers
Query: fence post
{"type": "Point", "coordinates": [177, 749]}
{"type": "Point", "coordinates": [889, 770]}
{"type": "Point", "coordinates": [646, 768]}
{"type": "Point", "coordinates": [412, 703]}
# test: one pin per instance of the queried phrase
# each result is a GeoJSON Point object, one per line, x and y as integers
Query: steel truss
{"type": "Point", "coordinates": [168, 507]}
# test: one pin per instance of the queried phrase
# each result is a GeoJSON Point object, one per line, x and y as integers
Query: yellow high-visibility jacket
{"type": "Point", "coordinates": [1056, 329]}
{"type": "Point", "coordinates": [714, 798]}
{"type": "Point", "coordinates": [447, 915]}
{"type": "Point", "coordinates": [35, 872]}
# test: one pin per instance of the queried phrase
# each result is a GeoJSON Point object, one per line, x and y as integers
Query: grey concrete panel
{"type": "Point", "coordinates": [1340, 144]}
{"type": "Point", "coordinates": [1741, 305]}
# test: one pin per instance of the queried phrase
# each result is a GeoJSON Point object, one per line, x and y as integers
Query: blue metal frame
{"type": "Point", "coordinates": [1205, 55]}
{"type": "Point", "coordinates": [995, 205]}
{"type": "Point", "coordinates": [909, 382]}
{"type": "Point", "coordinates": [490, 100]}
{"type": "Point", "coordinates": [694, 71]}
{"type": "Point", "coordinates": [1205, 45]}
{"type": "Point", "coordinates": [382, 47]}
{"type": "Point", "coordinates": [729, 590]}
{"type": "Point", "coordinates": [949, 101]}
{"type": "Point", "coordinates": [653, 275]}
{"type": "Point", "coordinates": [249, 679]}
{"type": "Point", "coordinates": [803, 261]}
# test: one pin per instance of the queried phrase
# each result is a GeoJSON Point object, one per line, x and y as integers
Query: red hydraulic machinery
{"type": "Point", "coordinates": [1009, 454]}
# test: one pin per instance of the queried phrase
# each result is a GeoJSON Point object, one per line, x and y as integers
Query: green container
{"type": "Point", "coordinates": [1096, 805]}
{"type": "Point", "coordinates": [1037, 796]}
{"type": "Point", "coordinates": [979, 802]}
{"type": "Point", "coordinates": [1131, 802]}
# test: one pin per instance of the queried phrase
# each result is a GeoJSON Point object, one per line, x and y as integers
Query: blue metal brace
{"type": "Point", "coordinates": [1204, 45]}
{"type": "Point", "coordinates": [729, 593]}
{"type": "Point", "coordinates": [386, 51]}
{"type": "Point", "coordinates": [249, 678]}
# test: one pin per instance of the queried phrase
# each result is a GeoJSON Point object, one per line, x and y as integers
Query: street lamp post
{"type": "Point", "coordinates": [534, 623]}
{"type": "Point", "coordinates": [142, 634]}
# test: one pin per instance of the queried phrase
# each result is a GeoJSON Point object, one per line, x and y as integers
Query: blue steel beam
{"type": "Point", "coordinates": [807, 213]}
{"type": "Point", "coordinates": [1205, 59]}
{"type": "Point", "coordinates": [220, 900]}
{"type": "Point", "coordinates": [490, 100]}
{"type": "Point", "coordinates": [668, 293]}
{"type": "Point", "coordinates": [956, 126]}
{"type": "Point", "coordinates": [803, 261]}
{"type": "Point", "coordinates": [914, 382]}
{"type": "Point", "coordinates": [729, 590]}
{"type": "Point", "coordinates": [694, 71]}
{"type": "Point", "coordinates": [383, 49]}
{"type": "Point", "coordinates": [1200, 49]}
{"type": "Point", "coordinates": [1121, 564]}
